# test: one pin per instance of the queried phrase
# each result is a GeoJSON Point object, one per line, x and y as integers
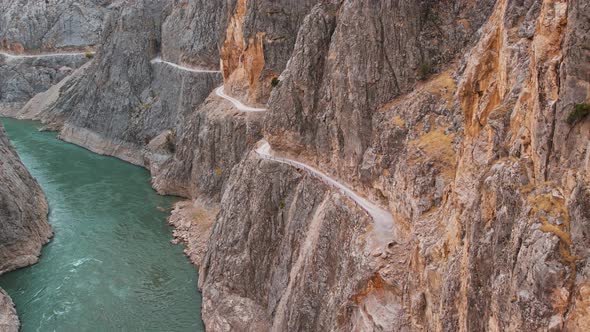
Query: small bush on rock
{"type": "Point", "coordinates": [424, 70]}
{"type": "Point", "coordinates": [275, 81]}
{"type": "Point", "coordinates": [580, 111]}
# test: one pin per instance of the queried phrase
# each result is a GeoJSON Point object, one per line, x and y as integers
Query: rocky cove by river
{"type": "Point", "coordinates": [111, 265]}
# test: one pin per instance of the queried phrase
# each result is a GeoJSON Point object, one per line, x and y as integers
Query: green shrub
{"type": "Point", "coordinates": [424, 70]}
{"type": "Point", "coordinates": [275, 81]}
{"type": "Point", "coordinates": [579, 112]}
{"type": "Point", "coordinates": [146, 105]}
{"type": "Point", "coordinates": [89, 55]}
{"type": "Point", "coordinates": [170, 144]}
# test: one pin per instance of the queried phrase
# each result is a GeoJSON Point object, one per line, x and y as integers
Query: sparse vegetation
{"type": "Point", "coordinates": [281, 205]}
{"type": "Point", "coordinates": [275, 81]}
{"type": "Point", "coordinates": [579, 112]}
{"type": "Point", "coordinates": [170, 145]}
{"type": "Point", "coordinates": [549, 209]}
{"type": "Point", "coordinates": [146, 105]}
{"type": "Point", "coordinates": [424, 70]}
{"type": "Point", "coordinates": [436, 146]}
{"type": "Point", "coordinates": [89, 55]}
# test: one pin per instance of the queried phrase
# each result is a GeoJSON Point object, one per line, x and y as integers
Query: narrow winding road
{"type": "Point", "coordinates": [384, 226]}
{"type": "Point", "coordinates": [382, 218]}
{"type": "Point", "coordinates": [221, 93]}
{"type": "Point", "coordinates": [43, 55]}
{"type": "Point", "coordinates": [189, 69]}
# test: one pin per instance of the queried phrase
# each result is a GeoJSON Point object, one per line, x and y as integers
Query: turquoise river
{"type": "Point", "coordinates": [110, 266]}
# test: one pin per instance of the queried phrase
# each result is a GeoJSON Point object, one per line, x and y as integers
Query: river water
{"type": "Point", "coordinates": [110, 266]}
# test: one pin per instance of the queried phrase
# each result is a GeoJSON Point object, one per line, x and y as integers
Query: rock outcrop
{"type": "Point", "coordinates": [212, 141]}
{"type": "Point", "coordinates": [290, 266]}
{"type": "Point", "coordinates": [462, 131]}
{"type": "Point", "coordinates": [351, 58]}
{"type": "Point", "coordinates": [23, 212]}
{"type": "Point", "coordinates": [23, 78]}
{"type": "Point", "coordinates": [8, 320]}
{"type": "Point", "coordinates": [39, 26]}
{"type": "Point", "coordinates": [258, 42]}
{"type": "Point", "coordinates": [146, 98]}
{"type": "Point", "coordinates": [23, 223]}
{"type": "Point", "coordinates": [69, 29]}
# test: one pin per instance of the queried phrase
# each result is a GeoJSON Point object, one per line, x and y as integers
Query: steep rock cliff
{"type": "Point", "coordinates": [467, 120]}
{"type": "Point", "coordinates": [285, 254]}
{"type": "Point", "coordinates": [483, 158]}
{"type": "Point", "coordinates": [23, 212]}
{"type": "Point", "coordinates": [192, 32]}
{"type": "Point", "coordinates": [38, 26]}
{"type": "Point", "coordinates": [22, 78]}
{"type": "Point", "coordinates": [126, 99]}
{"type": "Point", "coordinates": [258, 42]}
{"type": "Point", "coordinates": [23, 223]}
{"type": "Point", "coordinates": [256, 39]}
{"type": "Point", "coordinates": [351, 58]}
{"type": "Point", "coordinates": [211, 142]}
{"type": "Point", "coordinates": [8, 319]}
{"type": "Point", "coordinates": [43, 27]}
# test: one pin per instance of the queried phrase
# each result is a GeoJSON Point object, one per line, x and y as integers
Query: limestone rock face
{"type": "Point", "coordinates": [8, 319]}
{"type": "Point", "coordinates": [22, 78]}
{"type": "Point", "coordinates": [210, 143]}
{"type": "Point", "coordinates": [23, 212]}
{"type": "Point", "coordinates": [192, 32]}
{"type": "Point", "coordinates": [486, 178]}
{"type": "Point", "coordinates": [352, 57]}
{"type": "Point", "coordinates": [32, 25]}
{"type": "Point", "coordinates": [293, 265]}
{"type": "Point", "coordinates": [258, 42]}
{"type": "Point", "coordinates": [42, 106]}
{"type": "Point", "coordinates": [464, 119]}
{"type": "Point", "coordinates": [477, 161]}
{"type": "Point", "coordinates": [124, 99]}
{"type": "Point", "coordinates": [111, 97]}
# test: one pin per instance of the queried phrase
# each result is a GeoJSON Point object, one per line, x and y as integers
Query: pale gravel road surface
{"type": "Point", "coordinates": [185, 68]}
{"type": "Point", "coordinates": [384, 225]}
{"type": "Point", "coordinates": [43, 55]}
{"type": "Point", "coordinates": [219, 91]}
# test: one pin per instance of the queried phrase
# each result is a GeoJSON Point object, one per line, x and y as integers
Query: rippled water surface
{"type": "Point", "coordinates": [111, 266]}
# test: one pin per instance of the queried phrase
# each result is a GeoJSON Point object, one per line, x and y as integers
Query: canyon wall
{"type": "Point", "coordinates": [39, 26]}
{"type": "Point", "coordinates": [258, 42]}
{"type": "Point", "coordinates": [471, 126]}
{"type": "Point", "coordinates": [285, 253]}
{"type": "Point", "coordinates": [466, 120]}
{"type": "Point", "coordinates": [23, 78]}
{"type": "Point", "coordinates": [23, 223]}
{"type": "Point", "coordinates": [255, 39]}
{"type": "Point", "coordinates": [8, 320]}
{"type": "Point", "coordinates": [129, 95]}
{"type": "Point", "coordinates": [23, 212]}
{"type": "Point", "coordinates": [30, 27]}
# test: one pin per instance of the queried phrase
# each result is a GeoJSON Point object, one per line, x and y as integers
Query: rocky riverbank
{"type": "Point", "coordinates": [23, 227]}
{"type": "Point", "coordinates": [23, 223]}
{"type": "Point", "coordinates": [8, 318]}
